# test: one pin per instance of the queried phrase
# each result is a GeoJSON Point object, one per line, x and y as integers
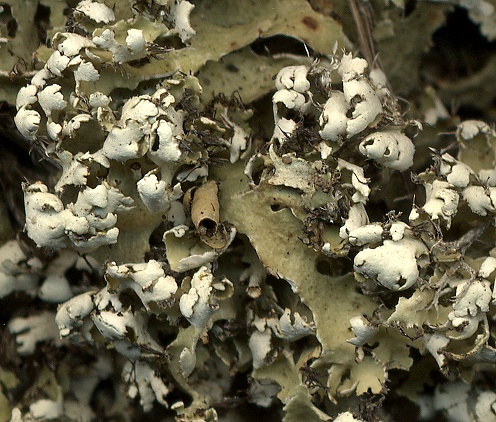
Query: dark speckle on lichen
{"type": "Point", "coordinates": [310, 23]}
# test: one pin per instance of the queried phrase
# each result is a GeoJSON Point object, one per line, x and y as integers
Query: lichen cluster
{"type": "Point", "coordinates": [232, 229]}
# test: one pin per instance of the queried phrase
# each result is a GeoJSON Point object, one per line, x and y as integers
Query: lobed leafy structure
{"type": "Point", "coordinates": [194, 249]}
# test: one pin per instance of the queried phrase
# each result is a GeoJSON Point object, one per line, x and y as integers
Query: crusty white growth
{"type": "Point", "coordinates": [74, 169]}
{"type": "Point", "coordinates": [487, 177]}
{"type": "Point", "coordinates": [100, 201]}
{"type": "Point", "coordinates": [293, 77]}
{"type": "Point", "coordinates": [291, 99]}
{"type": "Point", "coordinates": [135, 40]}
{"type": "Point", "coordinates": [481, 200]}
{"type": "Point", "coordinates": [472, 297]}
{"type": "Point", "coordinates": [138, 132]}
{"type": "Point", "coordinates": [40, 78]}
{"type": "Point", "coordinates": [51, 99]}
{"type": "Point", "coordinates": [45, 409]}
{"type": "Point", "coordinates": [151, 146]}
{"type": "Point", "coordinates": [123, 328]}
{"type": "Point", "coordinates": [347, 417]}
{"type": "Point", "coordinates": [352, 67]}
{"type": "Point", "coordinates": [70, 44]}
{"type": "Point", "coordinates": [389, 148]}
{"type": "Point", "coordinates": [334, 119]}
{"type": "Point", "coordinates": [156, 194]}
{"type": "Point", "coordinates": [144, 382]}
{"type": "Point", "coordinates": [28, 122]}
{"type": "Point", "coordinates": [368, 234]}
{"type": "Point", "coordinates": [26, 96]}
{"type": "Point", "coordinates": [394, 265]}
{"type": "Point", "coordinates": [379, 79]}
{"type": "Point", "coordinates": [168, 150]}
{"type": "Point", "coordinates": [86, 71]}
{"type": "Point", "coordinates": [468, 129]}
{"type": "Point", "coordinates": [98, 12]}
{"type": "Point", "coordinates": [125, 143]}
{"type": "Point", "coordinates": [56, 288]}
{"type": "Point", "coordinates": [191, 175]}
{"type": "Point", "coordinates": [487, 267]}
{"type": "Point", "coordinates": [181, 9]}
{"type": "Point", "coordinates": [293, 326]}
{"type": "Point", "coordinates": [325, 150]}
{"type": "Point", "coordinates": [464, 327]}
{"type": "Point", "coordinates": [260, 347]}
{"type": "Point", "coordinates": [121, 52]}
{"type": "Point", "coordinates": [434, 343]}
{"type": "Point", "coordinates": [97, 206]}
{"type": "Point", "coordinates": [104, 299]}
{"type": "Point", "coordinates": [97, 99]}
{"type": "Point", "coordinates": [138, 115]}
{"type": "Point", "coordinates": [162, 96]}
{"type": "Point", "coordinates": [72, 313]}
{"type": "Point", "coordinates": [177, 213]}
{"type": "Point", "coordinates": [194, 256]}
{"type": "Point", "coordinates": [54, 130]}
{"type": "Point", "coordinates": [398, 230]}
{"type": "Point", "coordinates": [358, 180]}
{"type": "Point", "coordinates": [471, 303]}
{"type": "Point", "coordinates": [32, 330]}
{"type": "Point", "coordinates": [364, 104]}
{"type": "Point", "coordinates": [451, 399]}
{"type": "Point", "coordinates": [46, 218]}
{"type": "Point", "coordinates": [295, 174]}
{"type": "Point", "coordinates": [239, 139]}
{"type": "Point", "coordinates": [292, 90]}
{"type": "Point", "coordinates": [17, 273]}
{"type": "Point", "coordinates": [357, 217]}
{"type": "Point", "coordinates": [147, 280]}
{"type": "Point", "coordinates": [456, 172]}
{"type": "Point", "coordinates": [87, 224]}
{"type": "Point", "coordinates": [16, 415]}
{"type": "Point", "coordinates": [485, 408]}
{"type": "Point", "coordinates": [283, 129]}
{"type": "Point", "coordinates": [357, 89]}
{"type": "Point", "coordinates": [112, 325]}
{"type": "Point", "coordinates": [363, 331]}
{"type": "Point", "coordinates": [71, 127]}
{"type": "Point", "coordinates": [198, 305]}
{"type": "Point", "coordinates": [441, 202]}
{"type": "Point", "coordinates": [350, 111]}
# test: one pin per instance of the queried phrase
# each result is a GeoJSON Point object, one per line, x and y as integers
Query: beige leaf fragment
{"type": "Point", "coordinates": [414, 312]}
{"type": "Point", "coordinates": [243, 72]}
{"type": "Point", "coordinates": [365, 376]}
{"type": "Point", "coordinates": [294, 18]}
{"type": "Point", "coordinates": [294, 393]}
{"type": "Point", "coordinates": [275, 236]}
{"type": "Point", "coordinates": [393, 349]}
